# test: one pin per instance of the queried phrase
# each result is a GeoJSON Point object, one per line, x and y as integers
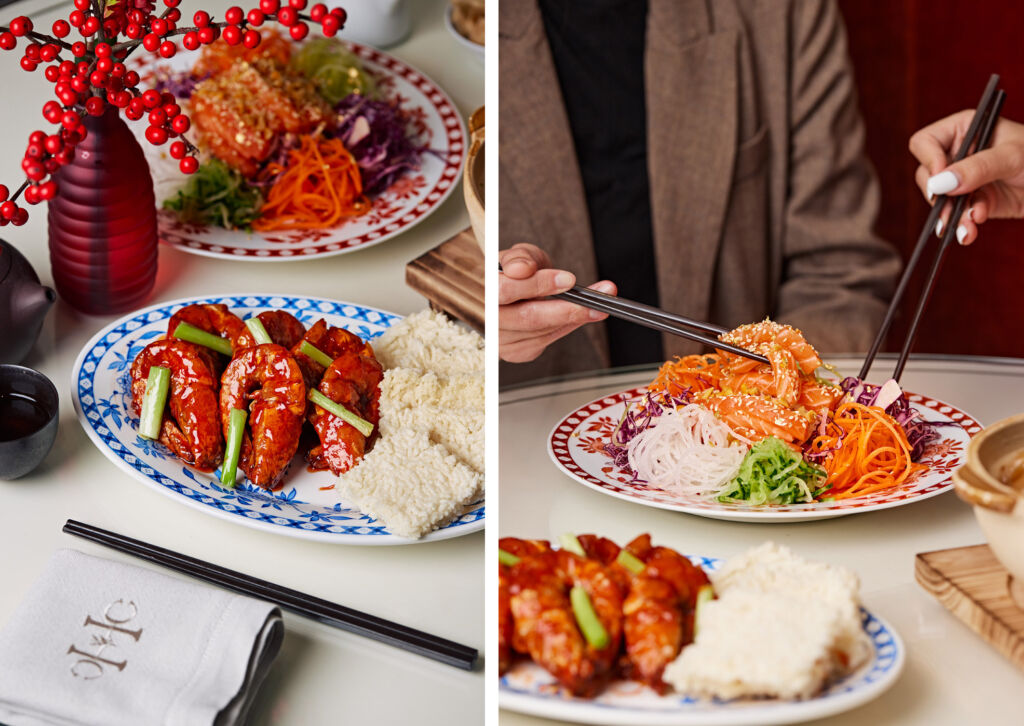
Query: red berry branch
{"type": "Point", "coordinates": [95, 77]}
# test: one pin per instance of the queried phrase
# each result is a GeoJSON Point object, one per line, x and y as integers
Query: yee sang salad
{"type": "Point", "coordinates": [299, 137]}
{"type": "Point", "coordinates": [731, 429]}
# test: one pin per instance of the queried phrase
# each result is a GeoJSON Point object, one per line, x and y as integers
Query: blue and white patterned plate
{"type": "Point", "coordinates": [305, 507]}
{"type": "Point", "coordinates": [528, 688]}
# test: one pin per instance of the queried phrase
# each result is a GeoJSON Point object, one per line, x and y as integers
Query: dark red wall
{"type": "Point", "coordinates": [917, 61]}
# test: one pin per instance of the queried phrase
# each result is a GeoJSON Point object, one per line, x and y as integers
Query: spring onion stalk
{"type": "Point", "coordinates": [507, 558]}
{"type": "Point", "coordinates": [255, 326]}
{"type": "Point", "coordinates": [192, 334]}
{"type": "Point", "coordinates": [586, 617]}
{"type": "Point", "coordinates": [705, 594]}
{"type": "Point", "coordinates": [236, 427]}
{"type": "Point", "coordinates": [361, 425]}
{"type": "Point", "coordinates": [153, 402]}
{"type": "Point", "coordinates": [570, 543]}
{"type": "Point", "coordinates": [308, 349]}
{"type": "Point", "coordinates": [630, 561]}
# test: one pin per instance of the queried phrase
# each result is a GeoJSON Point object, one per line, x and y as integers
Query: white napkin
{"type": "Point", "coordinates": [107, 643]}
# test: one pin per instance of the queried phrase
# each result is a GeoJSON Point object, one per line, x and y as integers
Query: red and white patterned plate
{"type": "Point", "coordinates": [576, 446]}
{"type": "Point", "coordinates": [403, 205]}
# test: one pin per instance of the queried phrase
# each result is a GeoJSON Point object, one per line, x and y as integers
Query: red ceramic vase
{"type": "Point", "coordinates": [102, 223]}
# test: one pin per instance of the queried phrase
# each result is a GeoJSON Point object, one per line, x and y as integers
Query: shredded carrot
{"type": "Point", "coordinates": [318, 187]}
{"type": "Point", "coordinates": [874, 454]}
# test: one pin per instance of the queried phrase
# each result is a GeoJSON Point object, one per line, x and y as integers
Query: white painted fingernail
{"type": "Point", "coordinates": [970, 214]}
{"type": "Point", "coordinates": [943, 183]}
{"type": "Point", "coordinates": [564, 279]}
{"type": "Point", "coordinates": [938, 228]}
{"type": "Point", "coordinates": [961, 232]}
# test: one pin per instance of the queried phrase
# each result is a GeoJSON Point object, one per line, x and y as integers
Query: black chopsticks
{"type": "Point", "coordinates": [652, 317]}
{"type": "Point", "coordinates": [324, 611]}
{"type": "Point", "coordinates": [981, 128]}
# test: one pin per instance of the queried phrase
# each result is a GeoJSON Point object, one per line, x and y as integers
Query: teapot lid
{"type": "Point", "coordinates": [6, 258]}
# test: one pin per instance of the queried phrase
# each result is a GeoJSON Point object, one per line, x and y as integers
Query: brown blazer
{"type": "Point", "coordinates": [762, 199]}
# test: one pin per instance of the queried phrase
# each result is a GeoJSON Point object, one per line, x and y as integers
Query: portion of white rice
{"type": "Point", "coordinates": [428, 462]}
{"type": "Point", "coordinates": [782, 626]}
{"type": "Point", "coordinates": [410, 484]}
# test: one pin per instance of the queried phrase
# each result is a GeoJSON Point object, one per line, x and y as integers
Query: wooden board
{"type": "Point", "coordinates": [451, 277]}
{"type": "Point", "coordinates": [971, 584]}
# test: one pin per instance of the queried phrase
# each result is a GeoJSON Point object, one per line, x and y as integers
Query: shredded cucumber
{"type": "Point", "coordinates": [772, 473]}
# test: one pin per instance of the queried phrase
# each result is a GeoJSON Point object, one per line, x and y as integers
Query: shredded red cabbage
{"type": "Point", "coordinates": [378, 136]}
{"type": "Point", "coordinates": [919, 432]}
{"type": "Point", "coordinates": [181, 84]}
{"type": "Point", "coordinates": [638, 418]}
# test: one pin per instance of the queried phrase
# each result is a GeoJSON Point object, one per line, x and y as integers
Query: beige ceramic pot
{"type": "Point", "coordinates": [998, 507]}
{"type": "Point", "coordinates": [473, 175]}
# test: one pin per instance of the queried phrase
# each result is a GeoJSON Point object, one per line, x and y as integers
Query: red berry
{"type": "Point", "coordinates": [131, 79]}
{"type": "Point", "coordinates": [67, 96]}
{"type": "Point", "coordinates": [168, 49]}
{"type": "Point", "coordinates": [28, 64]}
{"type": "Point", "coordinates": [8, 209]}
{"type": "Point", "coordinates": [133, 114]}
{"type": "Point", "coordinates": [151, 42]}
{"type": "Point", "coordinates": [133, 31]}
{"type": "Point", "coordinates": [98, 78]}
{"type": "Point", "coordinates": [172, 3]}
{"type": "Point", "coordinates": [180, 124]}
{"type": "Point", "coordinates": [104, 65]}
{"type": "Point", "coordinates": [171, 109]}
{"type": "Point", "coordinates": [48, 52]}
{"type": "Point", "coordinates": [298, 31]}
{"type": "Point", "coordinates": [297, 4]}
{"type": "Point", "coordinates": [156, 135]}
{"type": "Point", "coordinates": [34, 171]}
{"type": "Point", "coordinates": [53, 144]}
{"type": "Point", "coordinates": [7, 40]}
{"type": "Point", "coordinates": [32, 194]}
{"type": "Point", "coordinates": [76, 18]}
{"type": "Point", "coordinates": [82, 5]}
{"type": "Point", "coordinates": [94, 106]}
{"type": "Point", "coordinates": [251, 39]}
{"type": "Point", "coordinates": [157, 117]}
{"type": "Point", "coordinates": [151, 98]}
{"type": "Point", "coordinates": [78, 49]}
{"type": "Point", "coordinates": [37, 137]}
{"type": "Point", "coordinates": [188, 165]}
{"type": "Point", "coordinates": [330, 26]}
{"type": "Point", "coordinates": [287, 16]}
{"type": "Point", "coordinates": [52, 74]}
{"type": "Point", "coordinates": [48, 190]}
{"type": "Point", "coordinates": [122, 99]}
{"type": "Point", "coordinates": [177, 150]}
{"type": "Point", "coordinates": [91, 26]}
{"type": "Point", "coordinates": [35, 151]}
{"type": "Point", "coordinates": [117, 70]}
{"type": "Point", "coordinates": [102, 50]}
{"type": "Point", "coordinates": [269, 7]}
{"type": "Point", "coordinates": [158, 26]}
{"type": "Point", "coordinates": [69, 120]}
{"type": "Point", "coordinates": [61, 28]}
{"type": "Point", "coordinates": [255, 18]}
{"type": "Point", "coordinates": [208, 35]}
{"type": "Point", "coordinates": [5, 192]}
{"type": "Point", "coordinates": [201, 19]}
{"type": "Point", "coordinates": [340, 14]}
{"type": "Point", "coordinates": [317, 12]}
{"type": "Point", "coordinates": [21, 26]}
{"type": "Point", "coordinates": [111, 28]}
{"type": "Point", "coordinates": [190, 41]}
{"type": "Point", "coordinates": [233, 15]}
{"type": "Point", "coordinates": [232, 35]}
{"type": "Point", "coordinates": [52, 111]}
{"type": "Point", "coordinates": [172, 17]}
{"type": "Point", "coordinates": [32, 51]}
{"type": "Point", "coordinates": [20, 218]}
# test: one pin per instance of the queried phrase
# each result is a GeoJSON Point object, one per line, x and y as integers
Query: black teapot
{"type": "Point", "coordinates": [23, 304]}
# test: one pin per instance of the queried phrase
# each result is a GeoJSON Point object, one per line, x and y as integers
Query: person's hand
{"type": "Point", "coordinates": [527, 325]}
{"type": "Point", "coordinates": [995, 175]}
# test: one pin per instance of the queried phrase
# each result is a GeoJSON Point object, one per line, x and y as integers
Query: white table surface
{"type": "Point", "coordinates": [952, 676]}
{"type": "Point", "coordinates": [322, 674]}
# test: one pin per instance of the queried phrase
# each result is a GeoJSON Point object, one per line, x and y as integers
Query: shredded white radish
{"type": "Point", "coordinates": [687, 450]}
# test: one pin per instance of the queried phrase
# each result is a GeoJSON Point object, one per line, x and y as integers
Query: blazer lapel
{"type": "Point", "coordinates": [534, 126]}
{"type": "Point", "coordinates": [691, 87]}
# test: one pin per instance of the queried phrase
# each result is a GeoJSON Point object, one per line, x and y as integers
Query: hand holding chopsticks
{"type": "Point", "coordinates": [978, 137]}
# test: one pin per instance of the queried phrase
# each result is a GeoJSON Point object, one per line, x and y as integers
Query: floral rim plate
{"type": "Point", "coordinates": [304, 507]}
{"type": "Point", "coordinates": [403, 205]}
{"type": "Point", "coordinates": [530, 689]}
{"type": "Point", "coordinates": [575, 445]}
